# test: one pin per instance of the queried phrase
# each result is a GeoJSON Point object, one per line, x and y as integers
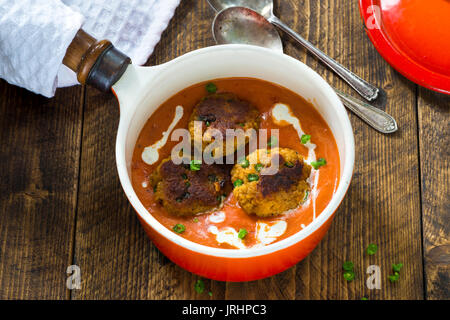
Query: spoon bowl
{"type": "Point", "coordinates": [244, 26]}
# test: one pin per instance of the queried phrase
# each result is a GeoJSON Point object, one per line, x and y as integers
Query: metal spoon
{"type": "Point", "coordinates": [265, 8]}
{"type": "Point", "coordinates": [245, 26]}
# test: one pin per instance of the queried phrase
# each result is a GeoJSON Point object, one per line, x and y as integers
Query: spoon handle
{"type": "Point", "coordinates": [365, 89]}
{"type": "Point", "coordinates": [375, 117]}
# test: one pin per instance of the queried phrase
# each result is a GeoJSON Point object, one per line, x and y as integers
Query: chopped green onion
{"type": "Point", "coordinates": [238, 183]}
{"type": "Point", "coordinates": [242, 124]}
{"type": "Point", "coordinates": [195, 165]}
{"type": "Point", "coordinates": [155, 188]}
{"type": "Point", "coordinates": [397, 267]}
{"type": "Point", "coordinates": [319, 163]}
{"type": "Point", "coordinates": [211, 87]}
{"type": "Point", "coordinates": [258, 167]}
{"type": "Point", "coordinates": [244, 163]}
{"type": "Point", "coordinates": [187, 184]}
{"type": "Point", "coordinates": [364, 298]}
{"type": "Point", "coordinates": [212, 178]}
{"type": "Point", "coordinates": [306, 195]}
{"type": "Point", "coordinates": [305, 138]}
{"type": "Point", "coordinates": [242, 233]}
{"type": "Point", "coordinates": [207, 123]}
{"type": "Point", "coordinates": [195, 220]}
{"type": "Point", "coordinates": [348, 266]}
{"type": "Point", "coordinates": [371, 249]}
{"type": "Point", "coordinates": [289, 164]}
{"type": "Point", "coordinates": [253, 177]}
{"type": "Point", "coordinates": [210, 294]}
{"type": "Point", "coordinates": [273, 141]}
{"type": "Point", "coordinates": [394, 277]}
{"type": "Point", "coordinates": [199, 286]}
{"type": "Point", "coordinates": [349, 275]}
{"type": "Point", "coordinates": [184, 176]}
{"type": "Point", "coordinates": [179, 228]}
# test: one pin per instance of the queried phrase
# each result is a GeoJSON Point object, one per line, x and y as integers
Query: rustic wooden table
{"type": "Point", "coordinates": [61, 202]}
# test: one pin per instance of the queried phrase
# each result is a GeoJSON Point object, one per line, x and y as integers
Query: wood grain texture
{"type": "Point", "coordinates": [434, 115]}
{"type": "Point", "coordinates": [61, 202]}
{"type": "Point", "coordinates": [375, 210]}
{"type": "Point", "coordinates": [39, 159]}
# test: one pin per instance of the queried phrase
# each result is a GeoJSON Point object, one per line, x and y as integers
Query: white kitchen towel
{"type": "Point", "coordinates": [35, 34]}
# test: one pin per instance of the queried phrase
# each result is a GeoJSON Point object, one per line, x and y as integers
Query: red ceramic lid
{"type": "Point", "coordinates": [413, 36]}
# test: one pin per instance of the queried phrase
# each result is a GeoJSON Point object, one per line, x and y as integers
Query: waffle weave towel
{"type": "Point", "coordinates": [35, 34]}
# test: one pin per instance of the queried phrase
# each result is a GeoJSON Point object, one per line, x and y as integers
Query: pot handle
{"type": "Point", "coordinates": [96, 63]}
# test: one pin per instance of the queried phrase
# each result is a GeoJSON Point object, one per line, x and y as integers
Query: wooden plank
{"type": "Point", "coordinates": [40, 161]}
{"type": "Point", "coordinates": [279, 287]}
{"type": "Point", "coordinates": [433, 114]}
{"type": "Point", "coordinates": [383, 203]}
{"type": "Point", "coordinates": [116, 258]}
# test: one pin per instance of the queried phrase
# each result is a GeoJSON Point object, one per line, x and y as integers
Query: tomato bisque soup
{"type": "Point", "coordinates": [300, 128]}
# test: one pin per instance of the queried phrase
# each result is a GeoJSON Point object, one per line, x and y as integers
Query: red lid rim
{"type": "Point", "coordinates": [398, 60]}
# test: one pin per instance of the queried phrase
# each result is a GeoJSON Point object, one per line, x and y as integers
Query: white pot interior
{"type": "Point", "coordinates": [143, 89]}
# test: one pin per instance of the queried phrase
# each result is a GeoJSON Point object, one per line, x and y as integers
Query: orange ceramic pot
{"type": "Point", "coordinates": [141, 90]}
{"type": "Point", "coordinates": [224, 268]}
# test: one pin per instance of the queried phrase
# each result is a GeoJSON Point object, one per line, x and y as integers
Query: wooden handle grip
{"type": "Point", "coordinates": [95, 62]}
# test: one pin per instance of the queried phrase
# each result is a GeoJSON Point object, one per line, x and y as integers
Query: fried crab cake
{"type": "Point", "coordinates": [270, 195]}
{"type": "Point", "coordinates": [186, 190]}
{"type": "Point", "coordinates": [222, 111]}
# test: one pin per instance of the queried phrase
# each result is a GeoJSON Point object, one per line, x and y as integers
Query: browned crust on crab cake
{"type": "Point", "coordinates": [222, 111]}
{"type": "Point", "coordinates": [275, 194]}
{"type": "Point", "coordinates": [184, 192]}
{"type": "Point", "coordinates": [283, 180]}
